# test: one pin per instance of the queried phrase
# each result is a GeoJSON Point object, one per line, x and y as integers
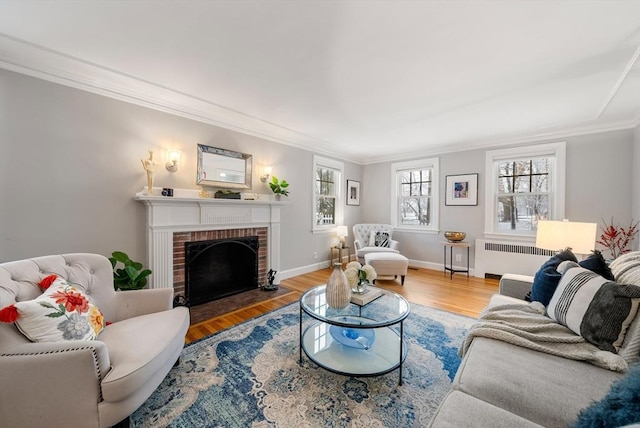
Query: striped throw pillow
{"type": "Point", "coordinates": [598, 310]}
{"type": "Point", "coordinates": [382, 239]}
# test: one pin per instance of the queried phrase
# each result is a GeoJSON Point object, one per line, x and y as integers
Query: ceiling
{"type": "Point", "coordinates": [362, 80]}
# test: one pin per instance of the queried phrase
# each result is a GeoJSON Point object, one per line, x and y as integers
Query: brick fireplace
{"type": "Point", "coordinates": [181, 238]}
{"type": "Point", "coordinates": [171, 221]}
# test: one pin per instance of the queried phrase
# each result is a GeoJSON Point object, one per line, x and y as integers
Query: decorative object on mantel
{"type": "Point", "coordinates": [270, 286]}
{"type": "Point", "coordinates": [338, 291]}
{"type": "Point", "coordinates": [454, 236]}
{"type": "Point", "coordinates": [150, 166]}
{"type": "Point", "coordinates": [203, 194]}
{"type": "Point", "coordinates": [359, 276]}
{"type": "Point", "coordinates": [131, 276]}
{"type": "Point", "coordinates": [279, 187]}
{"type": "Point", "coordinates": [617, 239]}
{"type": "Point", "coordinates": [226, 194]}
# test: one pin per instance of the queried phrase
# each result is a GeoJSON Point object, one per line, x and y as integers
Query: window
{"type": "Point", "coordinates": [524, 185]}
{"type": "Point", "coordinates": [327, 206]}
{"type": "Point", "coordinates": [415, 194]}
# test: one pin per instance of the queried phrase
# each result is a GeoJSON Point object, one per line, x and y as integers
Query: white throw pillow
{"type": "Point", "coordinates": [62, 312]}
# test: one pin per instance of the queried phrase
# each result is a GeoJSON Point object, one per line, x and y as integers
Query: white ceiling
{"type": "Point", "coordinates": [362, 80]}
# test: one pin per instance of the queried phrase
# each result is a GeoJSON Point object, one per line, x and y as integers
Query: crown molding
{"type": "Point", "coordinates": [37, 61]}
{"type": "Point", "coordinates": [43, 63]}
{"type": "Point", "coordinates": [538, 136]}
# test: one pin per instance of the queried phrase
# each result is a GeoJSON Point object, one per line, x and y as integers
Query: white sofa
{"type": "Point", "coordinates": [499, 384]}
{"type": "Point", "coordinates": [92, 383]}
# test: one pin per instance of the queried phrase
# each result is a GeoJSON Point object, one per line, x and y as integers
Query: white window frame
{"type": "Point", "coordinates": [556, 152]}
{"type": "Point", "coordinates": [428, 163]}
{"type": "Point", "coordinates": [320, 161]}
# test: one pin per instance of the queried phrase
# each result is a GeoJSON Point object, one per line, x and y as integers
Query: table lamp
{"type": "Point", "coordinates": [580, 238]}
{"type": "Point", "coordinates": [342, 231]}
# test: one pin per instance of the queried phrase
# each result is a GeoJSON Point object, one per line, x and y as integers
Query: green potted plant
{"type": "Point", "coordinates": [127, 274]}
{"type": "Point", "coordinates": [279, 187]}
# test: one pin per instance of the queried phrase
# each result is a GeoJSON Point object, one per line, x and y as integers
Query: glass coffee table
{"type": "Point", "coordinates": [357, 340]}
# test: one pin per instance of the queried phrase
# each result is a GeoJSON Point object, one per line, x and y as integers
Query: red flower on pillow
{"type": "Point", "coordinates": [72, 301]}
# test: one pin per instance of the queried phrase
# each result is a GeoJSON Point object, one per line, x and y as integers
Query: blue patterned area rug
{"type": "Point", "coordinates": [249, 376]}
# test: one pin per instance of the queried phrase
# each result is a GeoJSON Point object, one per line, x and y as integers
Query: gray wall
{"type": "Point", "coordinates": [598, 186]}
{"type": "Point", "coordinates": [70, 167]}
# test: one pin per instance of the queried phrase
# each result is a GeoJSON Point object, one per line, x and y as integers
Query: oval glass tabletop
{"type": "Point", "coordinates": [390, 308]}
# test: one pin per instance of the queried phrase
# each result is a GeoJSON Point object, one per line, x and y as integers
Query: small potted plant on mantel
{"type": "Point", "coordinates": [279, 188]}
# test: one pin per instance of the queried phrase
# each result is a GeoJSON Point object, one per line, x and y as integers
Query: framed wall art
{"type": "Point", "coordinates": [353, 192]}
{"type": "Point", "coordinates": [462, 189]}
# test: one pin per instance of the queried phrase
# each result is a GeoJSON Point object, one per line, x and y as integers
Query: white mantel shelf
{"type": "Point", "coordinates": [186, 212]}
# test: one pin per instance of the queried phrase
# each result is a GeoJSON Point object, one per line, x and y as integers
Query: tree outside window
{"type": "Point", "coordinates": [325, 191]}
{"type": "Point", "coordinates": [415, 197]}
{"type": "Point", "coordinates": [523, 193]}
{"type": "Point", "coordinates": [415, 193]}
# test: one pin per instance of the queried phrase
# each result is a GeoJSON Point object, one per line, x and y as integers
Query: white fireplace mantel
{"type": "Point", "coordinates": [186, 212]}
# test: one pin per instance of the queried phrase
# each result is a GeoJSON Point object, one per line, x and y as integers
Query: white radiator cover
{"type": "Point", "coordinates": [500, 257]}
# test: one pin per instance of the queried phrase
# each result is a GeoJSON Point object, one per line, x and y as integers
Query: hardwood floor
{"type": "Point", "coordinates": [462, 295]}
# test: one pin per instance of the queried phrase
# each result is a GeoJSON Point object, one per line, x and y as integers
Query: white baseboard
{"type": "Point", "coordinates": [285, 274]}
{"type": "Point", "coordinates": [436, 266]}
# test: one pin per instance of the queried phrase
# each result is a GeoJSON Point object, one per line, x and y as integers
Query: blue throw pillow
{"type": "Point", "coordinates": [620, 407]}
{"type": "Point", "coordinates": [595, 263]}
{"type": "Point", "coordinates": [547, 278]}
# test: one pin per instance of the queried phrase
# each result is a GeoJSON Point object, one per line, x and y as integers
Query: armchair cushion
{"type": "Point", "coordinates": [62, 312]}
{"type": "Point", "coordinates": [147, 335]}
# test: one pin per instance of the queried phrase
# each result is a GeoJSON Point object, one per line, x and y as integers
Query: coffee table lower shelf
{"type": "Point", "coordinates": [386, 354]}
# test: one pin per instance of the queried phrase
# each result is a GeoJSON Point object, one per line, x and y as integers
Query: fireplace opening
{"type": "Point", "coordinates": [220, 267]}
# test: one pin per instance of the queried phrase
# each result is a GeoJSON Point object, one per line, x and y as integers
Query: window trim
{"type": "Point", "coordinates": [430, 163]}
{"type": "Point", "coordinates": [339, 218]}
{"type": "Point", "coordinates": [557, 154]}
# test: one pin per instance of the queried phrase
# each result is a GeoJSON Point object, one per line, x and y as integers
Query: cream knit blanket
{"type": "Point", "coordinates": [529, 327]}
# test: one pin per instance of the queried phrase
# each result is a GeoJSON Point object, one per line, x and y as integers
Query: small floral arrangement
{"type": "Point", "coordinates": [357, 274]}
{"type": "Point", "coordinates": [616, 239]}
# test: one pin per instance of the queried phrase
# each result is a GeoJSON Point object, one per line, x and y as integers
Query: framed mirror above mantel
{"type": "Point", "coordinates": [223, 168]}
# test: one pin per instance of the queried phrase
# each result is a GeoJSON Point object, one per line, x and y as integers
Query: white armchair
{"type": "Point", "coordinates": [88, 383]}
{"type": "Point", "coordinates": [364, 244]}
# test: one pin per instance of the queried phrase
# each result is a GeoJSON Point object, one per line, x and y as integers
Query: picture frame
{"type": "Point", "coordinates": [353, 192]}
{"type": "Point", "coordinates": [461, 190]}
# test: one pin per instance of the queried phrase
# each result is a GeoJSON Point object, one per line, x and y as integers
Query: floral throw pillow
{"type": "Point", "coordinates": [62, 312]}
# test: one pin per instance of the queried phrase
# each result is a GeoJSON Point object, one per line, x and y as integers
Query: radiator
{"type": "Point", "coordinates": [500, 257]}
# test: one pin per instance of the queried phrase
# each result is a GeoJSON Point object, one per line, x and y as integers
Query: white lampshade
{"type": "Point", "coordinates": [342, 231]}
{"type": "Point", "coordinates": [557, 235]}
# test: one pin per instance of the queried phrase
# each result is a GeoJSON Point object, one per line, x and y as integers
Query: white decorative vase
{"type": "Point", "coordinates": [338, 290]}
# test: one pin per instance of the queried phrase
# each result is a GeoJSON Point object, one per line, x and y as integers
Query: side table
{"type": "Point", "coordinates": [450, 268]}
{"type": "Point", "coordinates": [339, 251]}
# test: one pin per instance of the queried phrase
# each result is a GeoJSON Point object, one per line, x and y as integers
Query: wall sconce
{"type": "Point", "coordinates": [266, 173]}
{"type": "Point", "coordinates": [342, 231]}
{"type": "Point", "coordinates": [173, 159]}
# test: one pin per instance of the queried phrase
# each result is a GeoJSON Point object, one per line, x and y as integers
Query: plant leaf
{"type": "Point", "coordinates": [120, 256]}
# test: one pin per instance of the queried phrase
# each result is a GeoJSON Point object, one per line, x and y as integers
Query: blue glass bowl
{"type": "Point", "coordinates": [358, 338]}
